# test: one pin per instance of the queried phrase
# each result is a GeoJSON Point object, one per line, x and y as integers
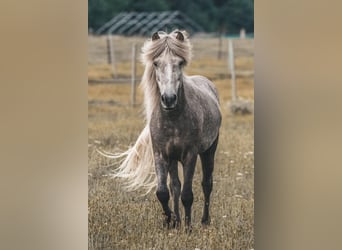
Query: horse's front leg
{"type": "Point", "coordinates": [175, 187]}
{"type": "Point", "coordinates": [187, 196]}
{"type": "Point", "coordinates": [162, 190]}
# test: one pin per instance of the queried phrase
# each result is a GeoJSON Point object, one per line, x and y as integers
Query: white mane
{"type": "Point", "coordinates": [150, 51]}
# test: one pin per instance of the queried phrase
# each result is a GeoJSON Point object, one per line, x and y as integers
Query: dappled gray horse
{"type": "Point", "coordinates": [182, 121]}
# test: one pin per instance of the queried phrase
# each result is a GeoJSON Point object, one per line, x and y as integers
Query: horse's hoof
{"type": "Point", "coordinates": [165, 224]}
{"type": "Point", "coordinates": [205, 222]}
{"type": "Point", "coordinates": [176, 222]}
{"type": "Point", "coordinates": [166, 221]}
{"type": "Point", "coordinates": [173, 221]}
{"type": "Point", "coordinates": [188, 229]}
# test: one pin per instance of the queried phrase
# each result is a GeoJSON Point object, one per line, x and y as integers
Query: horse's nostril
{"type": "Point", "coordinates": [173, 98]}
{"type": "Point", "coordinates": [163, 98]}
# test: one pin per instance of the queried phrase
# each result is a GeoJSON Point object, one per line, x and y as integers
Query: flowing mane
{"type": "Point", "coordinates": [152, 50]}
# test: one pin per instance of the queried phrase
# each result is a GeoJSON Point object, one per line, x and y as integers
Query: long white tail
{"type": "Point", "coordinates": [137, 166]}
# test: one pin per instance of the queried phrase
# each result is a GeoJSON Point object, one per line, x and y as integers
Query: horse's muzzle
{"type": "Point", "coordinates": [169, 101]}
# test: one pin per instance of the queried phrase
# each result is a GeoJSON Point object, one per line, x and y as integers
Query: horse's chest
{"type": "Point", "coordinates": [172, 142]}
{"type": "Point", "coordinates": [174, 147]}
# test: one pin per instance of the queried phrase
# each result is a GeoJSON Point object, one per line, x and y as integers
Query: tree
{"type": "Point", "coordinates": [101, 11]}
{"type": "Point", "coordinates": [227, 16]}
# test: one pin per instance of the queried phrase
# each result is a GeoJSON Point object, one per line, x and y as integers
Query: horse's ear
{"type": "Point", "coordinates": [155, 36]}
{"type": "Point", "coordinates": [179, 36]}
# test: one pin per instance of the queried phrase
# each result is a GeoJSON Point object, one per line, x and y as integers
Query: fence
{"type": "Point", "coordinates": [114, 50]}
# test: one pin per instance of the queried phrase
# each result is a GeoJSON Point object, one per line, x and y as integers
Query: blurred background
{"type": "Point", "coordinates": [48, 189]}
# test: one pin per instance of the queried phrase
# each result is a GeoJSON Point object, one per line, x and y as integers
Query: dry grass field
{"type": "Point", "coordinates": [121, 220]}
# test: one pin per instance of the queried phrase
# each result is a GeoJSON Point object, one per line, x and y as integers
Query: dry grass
{"type": "Point", "coordinates": [120, 220]}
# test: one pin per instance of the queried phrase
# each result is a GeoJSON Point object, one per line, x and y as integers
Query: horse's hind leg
{"type": "Point", "coordinates": [175, 187]}
{"type": "Point", "coordinates": [207, 159]}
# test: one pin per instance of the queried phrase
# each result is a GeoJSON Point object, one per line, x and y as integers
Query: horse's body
{"type": "Point", "coordinates": [182, 134]}
{"type": "Point", "coordinates": [189, 128]}
{"type": "Point", "coordinates": [183, 121]}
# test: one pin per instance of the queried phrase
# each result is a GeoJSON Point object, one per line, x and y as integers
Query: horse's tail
{"type": "Point", "coordinates": [137, 166]}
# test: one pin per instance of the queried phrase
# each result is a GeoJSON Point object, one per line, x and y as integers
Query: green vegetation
{"type": "Point", "coordinates": [223, 16]}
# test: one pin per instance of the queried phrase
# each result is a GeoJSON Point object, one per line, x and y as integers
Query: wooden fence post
{"type": "Point", "coordinates": [133, 87]}
{"type": "Point", "coordinates": [232, 67]}
{"type": "Point", "coordinates": [110, 54]}
{"type": "Point", "coordinates": [242, 34]}
{"type": "Point", "coordinates": [219, 53]}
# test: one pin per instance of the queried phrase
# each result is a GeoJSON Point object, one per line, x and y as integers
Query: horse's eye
{"type": "Point", "coordinates": [181, 63]}
{"type": "Point", "coordinates": [155, 64]}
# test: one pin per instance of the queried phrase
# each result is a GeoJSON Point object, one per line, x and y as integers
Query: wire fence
{"type": "Point", "coordinates": [226, 57]}
{"type": "Point", "coordinates": [203, 47]}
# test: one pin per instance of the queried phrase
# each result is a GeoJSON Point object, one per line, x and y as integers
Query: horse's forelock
{"type": "Point", "coordinates": [153, 49]}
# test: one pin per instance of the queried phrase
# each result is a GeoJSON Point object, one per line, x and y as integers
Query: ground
{"type": "Point", "coordinates": [121, 220]}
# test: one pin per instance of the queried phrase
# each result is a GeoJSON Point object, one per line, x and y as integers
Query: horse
{"type": "Point", "coordinates": [183, 119]}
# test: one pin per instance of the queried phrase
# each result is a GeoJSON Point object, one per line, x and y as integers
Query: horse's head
{"type": "Point", "coordinates": [168, 67]}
